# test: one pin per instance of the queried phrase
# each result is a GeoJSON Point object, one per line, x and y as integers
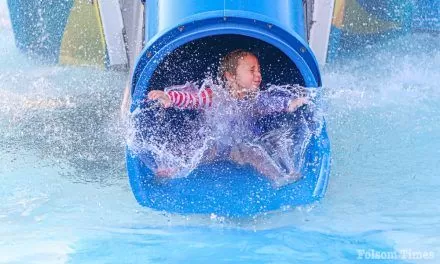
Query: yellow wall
{"type": "Point", "coordinates": [83, 41]}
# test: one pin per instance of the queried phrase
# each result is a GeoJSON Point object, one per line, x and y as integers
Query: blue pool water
{"type": "Point", "coordinates": [65, 196]}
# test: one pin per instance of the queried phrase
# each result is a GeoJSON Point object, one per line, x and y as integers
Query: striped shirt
{"type": "Point", "coordinates": [188, 96]}
{"type": "Point", "coordinates": [185, 100]}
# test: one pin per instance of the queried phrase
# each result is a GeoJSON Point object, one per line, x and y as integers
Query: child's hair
{"type": "Point", "coordinates": [229, 62]}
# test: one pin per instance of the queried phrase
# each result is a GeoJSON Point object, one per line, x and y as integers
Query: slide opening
{"type": "Point", "coordinates": [198, 59]}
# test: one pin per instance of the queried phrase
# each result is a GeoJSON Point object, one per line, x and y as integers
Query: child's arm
{"type": "Point", "coordinates": [161, 97]}
{"type": "Point", "coordinates": [269, 102]}
{"type": "Point", "coordinates": [296, 103]}
{"type": "Point", "coordinates": [184, 100]}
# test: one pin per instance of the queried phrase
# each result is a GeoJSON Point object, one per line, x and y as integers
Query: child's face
{"type": "Point", "coordinates": [247, 78]}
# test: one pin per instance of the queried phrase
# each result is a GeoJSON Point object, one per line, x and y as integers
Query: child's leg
{"type": "Point", "coordinates": [281, 146]}
{"type": "Point", "coordinates": [215, 151]}
{"type": "Point", "coordinates": [256, 156]}
{"type": "Point", "coordinates": [245, 154]}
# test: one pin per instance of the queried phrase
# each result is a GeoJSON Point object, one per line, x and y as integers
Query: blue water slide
{"type": "Point", "coordinates": [39, 26]}
{"type": "Point", "coordinates": [184, 41]}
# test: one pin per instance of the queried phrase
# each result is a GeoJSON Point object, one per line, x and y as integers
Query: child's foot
{"type": "Point", "coordinates": [165, 172]}
{"type": "Point", "coordinates": [281, 181]}
{"type": "Point", "coordinates": [174, 173]}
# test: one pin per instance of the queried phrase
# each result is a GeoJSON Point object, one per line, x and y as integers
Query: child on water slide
{"type": "Point", "coordinates": [240, 71]}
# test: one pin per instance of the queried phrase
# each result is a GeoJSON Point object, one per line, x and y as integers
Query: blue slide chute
{"type": "Point", "coordinates": [185, 38]}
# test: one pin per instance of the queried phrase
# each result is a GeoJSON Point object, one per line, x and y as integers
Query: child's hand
{"type": "Point", "coordinates": [296, 103]}
{"type": "Point", "coordinates": [161, 97]}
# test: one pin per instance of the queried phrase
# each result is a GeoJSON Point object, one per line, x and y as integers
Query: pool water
{"type": "Point", "coordinates": [66, 198]}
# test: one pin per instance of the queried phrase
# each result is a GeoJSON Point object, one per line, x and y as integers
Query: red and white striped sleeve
{"type": "Point", "coordinates": [186, 100]}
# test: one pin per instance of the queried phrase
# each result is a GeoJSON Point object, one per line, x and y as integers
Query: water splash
{"type": "Point", "coordinates": [178, 140]}
{"type": "Point", "coordinates": [402, 71]}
